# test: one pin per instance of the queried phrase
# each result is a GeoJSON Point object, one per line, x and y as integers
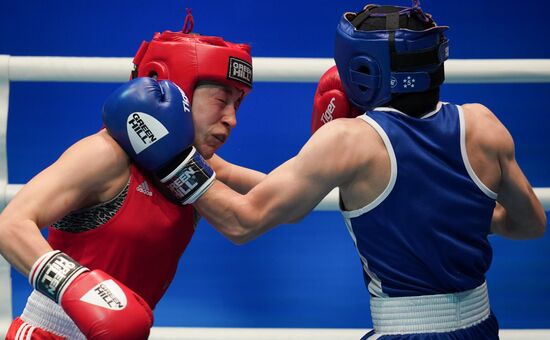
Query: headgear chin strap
{"type": "Point", "coordinates": [375, 64]}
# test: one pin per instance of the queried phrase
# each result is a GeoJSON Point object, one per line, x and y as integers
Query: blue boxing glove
{"type": "Point", "coordinates": [152, 121]}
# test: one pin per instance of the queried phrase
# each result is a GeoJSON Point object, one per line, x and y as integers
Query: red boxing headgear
{"type": "Point", "coordinates": [187, 58]}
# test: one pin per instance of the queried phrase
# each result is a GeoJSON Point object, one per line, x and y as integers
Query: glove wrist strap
{"type": "Point", "coordinates": [190, 179]}
{"type": "Point", "coordinates": [53, 272]}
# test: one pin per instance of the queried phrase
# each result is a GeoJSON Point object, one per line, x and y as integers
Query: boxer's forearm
{"type": "Point", "coordinates": [230, 213]}
{"type": "Point", "coordinates": [236, 177]}
{"type": "Point", "coordinates": [282, 197]}
{"type": "Point", "coordinates": [21, 244]}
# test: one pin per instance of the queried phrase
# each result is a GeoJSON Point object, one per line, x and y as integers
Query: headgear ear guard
{"type": "Point", "coordinates": [375, 64]}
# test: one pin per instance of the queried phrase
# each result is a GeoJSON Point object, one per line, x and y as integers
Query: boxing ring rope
{"type": "Point", "coordinates": [89, 69]}
{"type": "Point", "coordinates": [85, 69]}
{"type": "Point", "coordinates": [303, 70]}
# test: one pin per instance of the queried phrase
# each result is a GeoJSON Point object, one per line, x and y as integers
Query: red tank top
{"type": "Point", "coordinates": [140, 245]}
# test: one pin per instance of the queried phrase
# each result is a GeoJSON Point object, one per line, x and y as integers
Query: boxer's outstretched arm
{"type": "Point", "coordinates": [329, 159]}
{"type": "Point", "coordinates": [236, 177]}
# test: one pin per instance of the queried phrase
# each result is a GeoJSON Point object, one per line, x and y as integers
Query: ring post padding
{"type": "Point", "coordinates": [5, 273]}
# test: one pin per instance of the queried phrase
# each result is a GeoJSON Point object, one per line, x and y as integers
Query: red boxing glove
{"type": "Point", "coordinates": [330, 101]}
{"type": "Point", "coordinates": [99, 305]}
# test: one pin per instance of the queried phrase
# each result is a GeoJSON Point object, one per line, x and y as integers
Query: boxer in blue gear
{"type": "Point", "coordinates": [422, 182]}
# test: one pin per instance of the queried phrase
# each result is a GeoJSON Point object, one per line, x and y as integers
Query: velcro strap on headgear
{"type": "Point", "coordinates": [410, 60]}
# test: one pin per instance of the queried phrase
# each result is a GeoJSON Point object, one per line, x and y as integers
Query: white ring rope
{"type": "Point", "coordinates": [82, 69]}
{"type": "Point", "coordinates": [329, 203]}
{"type": "Point", "coordinates": [86, 69]}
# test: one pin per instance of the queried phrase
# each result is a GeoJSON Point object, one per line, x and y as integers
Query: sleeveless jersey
{"type": "Point", "coordinates": [140, 245]}
{"type": "Point", "coordinates": [427, 232]}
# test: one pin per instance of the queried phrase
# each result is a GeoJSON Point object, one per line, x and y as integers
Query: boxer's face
{"type": "Point", "coordinates": [214, 108]}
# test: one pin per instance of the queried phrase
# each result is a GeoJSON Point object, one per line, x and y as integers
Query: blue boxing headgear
{"type": "Point", "coordinates": [374, 64]}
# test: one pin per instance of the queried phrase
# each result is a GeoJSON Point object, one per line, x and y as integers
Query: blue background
{"type": "Point", "coordinates": [303, 275]}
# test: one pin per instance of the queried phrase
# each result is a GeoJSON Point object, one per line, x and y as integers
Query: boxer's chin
{"type": "Point", "coordinates": [206, 151]}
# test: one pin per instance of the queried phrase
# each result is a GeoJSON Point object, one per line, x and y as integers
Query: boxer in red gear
{"type": "Point", "coordinates": [103, 211]}
{"type": "Point", "coordinates": [20, 330]}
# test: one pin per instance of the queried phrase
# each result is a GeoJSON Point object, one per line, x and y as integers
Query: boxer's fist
{"type": "Point", "coordinates": [330, 101]}
{"type": "Point", "coordinates": [100, 306]}
{"type": "Point", "coordinates": [152, 122]}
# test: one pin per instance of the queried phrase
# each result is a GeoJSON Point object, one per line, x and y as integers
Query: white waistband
{"type": "Point", "coordinates": [43, 313]}
{"type": "Point", "coordinates": [430, 313]}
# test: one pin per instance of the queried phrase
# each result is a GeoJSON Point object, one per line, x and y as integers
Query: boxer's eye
{"type": "Point", "coordinates": [237, 104]}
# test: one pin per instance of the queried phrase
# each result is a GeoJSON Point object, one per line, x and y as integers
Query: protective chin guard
{"type": "Point", "coordinates": [375, 64]}
{"type": "Point", "coordinates": [187, 58]}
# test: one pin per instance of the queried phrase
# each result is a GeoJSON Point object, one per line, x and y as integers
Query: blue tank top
{"type": "Point", "coordinates": [427, 232]}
